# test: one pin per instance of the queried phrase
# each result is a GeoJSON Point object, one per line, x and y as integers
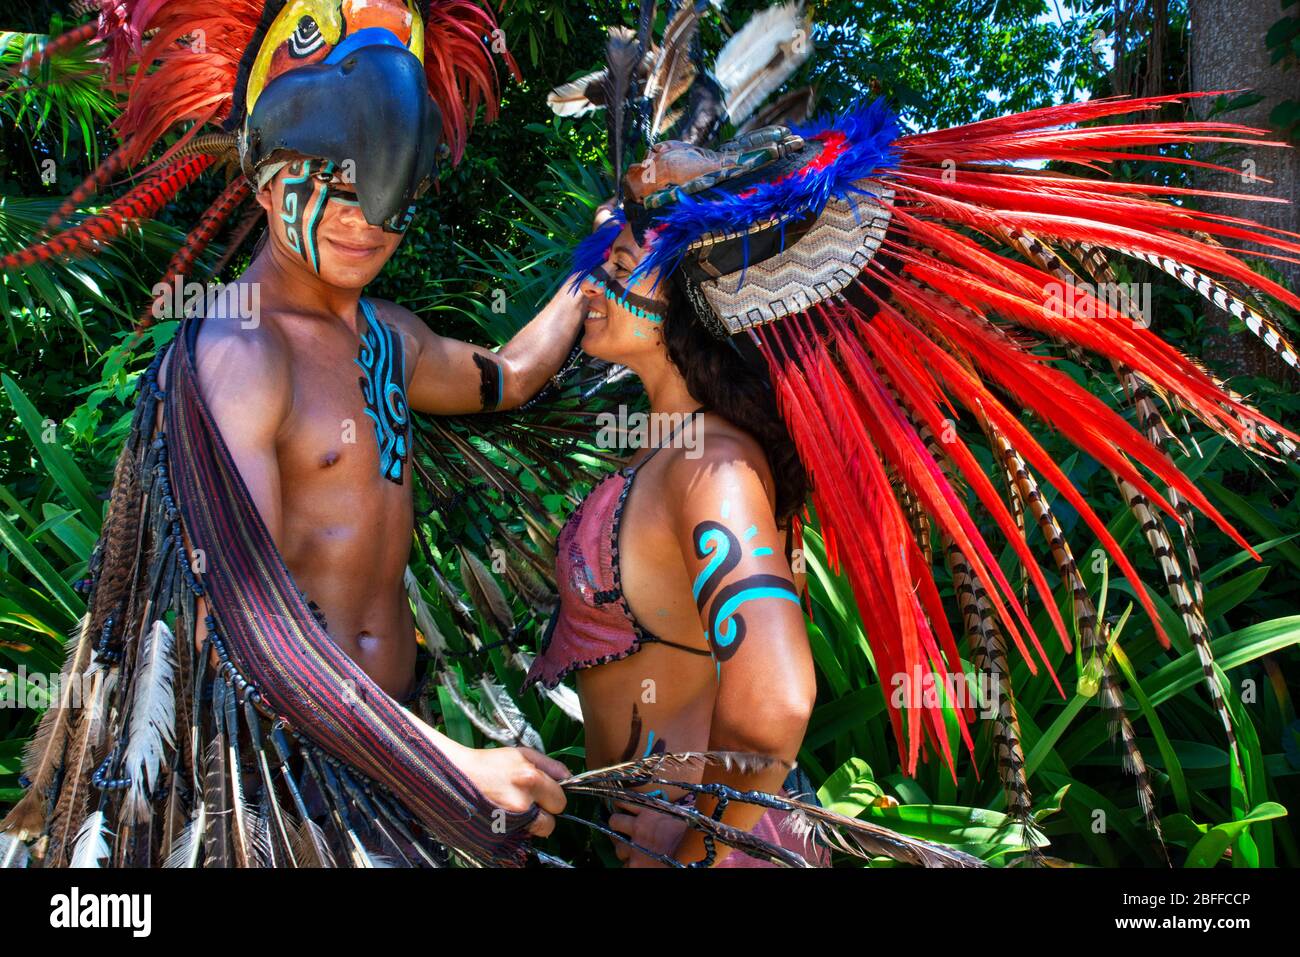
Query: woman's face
{"type": "Point", "coordinates": [623, 324]}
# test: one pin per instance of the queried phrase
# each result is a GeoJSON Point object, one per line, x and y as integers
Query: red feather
{"type": "Point", "coordinates": [141, 203]}
{"type": "Point", "coordinates": [200, 237]}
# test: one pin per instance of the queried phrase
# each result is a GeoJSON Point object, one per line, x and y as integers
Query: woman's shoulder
{"type": "Point", "coordinates": [720, 458]}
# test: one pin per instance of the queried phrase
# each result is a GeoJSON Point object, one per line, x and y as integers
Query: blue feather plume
{"type": "Point", "coordinates": [870, 131]}
{"type": "Point", "coordinates": [593, 250]}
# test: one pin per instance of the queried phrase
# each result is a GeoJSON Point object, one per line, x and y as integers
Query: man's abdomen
{"type": "Point", "coordinates": [347, 550]}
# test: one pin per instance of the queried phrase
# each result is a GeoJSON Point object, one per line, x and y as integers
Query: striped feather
{"type": "Point", "coordinates": [152, 722]}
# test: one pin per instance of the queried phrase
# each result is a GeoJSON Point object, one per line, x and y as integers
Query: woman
{"type": "Point", "coordinates": [679, 611]}
{"type": "Point", "coordinates": [901, 301]}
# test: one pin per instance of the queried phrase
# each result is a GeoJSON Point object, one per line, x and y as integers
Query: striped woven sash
{"type": "Point", "coordinates": [278, 646]}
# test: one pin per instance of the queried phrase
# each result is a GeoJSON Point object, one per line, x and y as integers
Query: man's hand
{"type": "Point", "coordinates": [514, 779]}
{"type": "Point", "coordinates": [650, 829]}
{"type": "Point", "coordinates": [603, 212]}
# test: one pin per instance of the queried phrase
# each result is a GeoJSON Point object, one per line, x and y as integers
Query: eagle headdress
{"type": "Point", "coordinates": [241, 80]}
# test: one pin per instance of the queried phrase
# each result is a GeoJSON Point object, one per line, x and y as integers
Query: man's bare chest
{"type": "Point", "coordinates": [350, 423]}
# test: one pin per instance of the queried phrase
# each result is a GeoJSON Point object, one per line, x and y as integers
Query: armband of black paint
{"type": "Point", "coordinates": [490, 382]}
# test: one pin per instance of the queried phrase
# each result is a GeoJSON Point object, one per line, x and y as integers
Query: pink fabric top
{"type": "Point", "coordinates": [593, 624]}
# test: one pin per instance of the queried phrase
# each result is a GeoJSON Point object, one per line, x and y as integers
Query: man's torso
{"type": "Point", "coordinates": [346, 530]}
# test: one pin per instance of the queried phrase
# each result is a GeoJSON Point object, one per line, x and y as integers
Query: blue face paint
{"type": "Point", "coordinates": [400, 223]}
{"type": "Point", "coordinates": [308, 188]}
{"type": "Point", "coordinates": [298, 189]}
{"type": "Point", "coordinates": [302, 206]}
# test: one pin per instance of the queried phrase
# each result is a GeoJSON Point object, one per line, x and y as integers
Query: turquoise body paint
{"type": "Point", "coordinates": [715, 542]}
{"type": "Point", "coordinates": [383, 360]}
{"type": "Point", "coordinates": [726, 629]}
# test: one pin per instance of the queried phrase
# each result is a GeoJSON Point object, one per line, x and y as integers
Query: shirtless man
{"type": "Point", "coordinates": [284, 393]}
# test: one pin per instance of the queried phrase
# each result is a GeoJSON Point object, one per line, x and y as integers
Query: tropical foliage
{"type": "Point", "coordinates": [489, 247]}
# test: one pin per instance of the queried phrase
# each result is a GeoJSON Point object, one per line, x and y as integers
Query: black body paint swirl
{"type": "Point", "coordinates": [634, 739]}
{"type": "Point", "coordinates": [383, 360]}
{"type": "Point", "coordinates": [716, 539]}
{"type": "Point", "coordinates": [725, 640]}
{"type": "Point", "coordinates": [726, 626]}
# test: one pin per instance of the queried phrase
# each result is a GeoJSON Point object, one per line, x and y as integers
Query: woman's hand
{"type": "Point", "coordinates": [650, 829]}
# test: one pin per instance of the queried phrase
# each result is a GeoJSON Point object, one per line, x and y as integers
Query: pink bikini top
{"type": "Point", "coordinates": [593, 623]}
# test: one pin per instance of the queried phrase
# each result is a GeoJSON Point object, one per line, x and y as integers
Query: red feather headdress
{"type": "Point", "coordinates": [895, 285]}
{"type": "Point", "coordinates": [178, 63]}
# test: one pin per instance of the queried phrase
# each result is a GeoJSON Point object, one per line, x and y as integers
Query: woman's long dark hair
{"type": "Point", "coordinates": [719, 377]}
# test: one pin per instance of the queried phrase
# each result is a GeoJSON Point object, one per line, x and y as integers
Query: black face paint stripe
{"type": "Point", "coordinates": [490, 384]}
{"type": "Point", "coordinates": [648, 308]}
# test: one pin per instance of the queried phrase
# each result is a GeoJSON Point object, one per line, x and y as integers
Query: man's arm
{"type": "Point", "coordinates": [453, 377]}
{"type": "Point", "coordinates": [751, 615]}
{"type": "Point", "coordinates": [245, 381]}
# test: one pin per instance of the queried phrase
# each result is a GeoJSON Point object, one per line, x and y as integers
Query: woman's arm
{"type": "Point", "coordinates": [752, 619]}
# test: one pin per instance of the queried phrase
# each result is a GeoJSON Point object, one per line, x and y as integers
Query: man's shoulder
{"type": "Point", "coordinates": [387, 309]}
{"type": "Point", "coordinates": [239, 356]}
{"type": "Point", "coordinates": [399, 317]}
{"type": "Point", "coordinates": [222, 338]}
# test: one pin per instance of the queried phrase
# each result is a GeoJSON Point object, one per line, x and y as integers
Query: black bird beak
{"type": "Point", "coordinates": [370, 108]}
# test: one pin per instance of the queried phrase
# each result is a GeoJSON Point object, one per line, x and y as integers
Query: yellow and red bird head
{"type": "Point", "coordinates": [378, 86]}
{"type": "Point", "coordinates": [343, 81]}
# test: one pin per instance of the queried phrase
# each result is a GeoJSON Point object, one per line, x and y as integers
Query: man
{"type": "Point", "coordinates": [285, 396]}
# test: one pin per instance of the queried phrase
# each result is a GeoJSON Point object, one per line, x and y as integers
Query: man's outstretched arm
{"type": "Point", "coordinates": [453, 377]}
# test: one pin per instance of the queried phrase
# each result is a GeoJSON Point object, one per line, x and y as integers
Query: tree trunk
{"type": "Point", "coordinates": [1228, 53]}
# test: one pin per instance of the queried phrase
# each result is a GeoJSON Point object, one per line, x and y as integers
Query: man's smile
{"type": "Point", "coordinates": [354, 249]}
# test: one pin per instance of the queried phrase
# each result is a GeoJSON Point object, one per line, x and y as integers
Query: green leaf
{"type": "Point", "coordinates": [1208, 851]}
{"type": "Point", "coordinates": [51, 580]}
{"type": "Point", "coordinates": [55, 458]}
{"type": "Point", "coordinates": [1230, 651]}
{"type": "Point", "coordinates": [851, 789]}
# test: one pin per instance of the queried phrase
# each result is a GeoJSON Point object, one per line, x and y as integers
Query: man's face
{"type": "Point", "coordinates": [316, 222]}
